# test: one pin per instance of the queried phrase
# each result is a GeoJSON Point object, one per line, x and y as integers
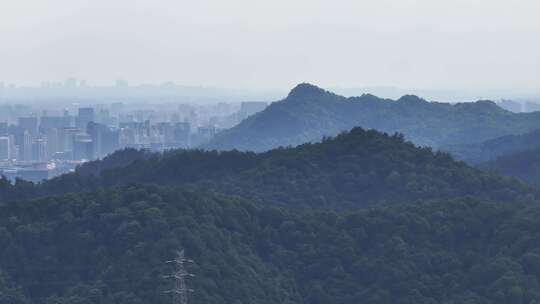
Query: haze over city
{"type": "Point", "coordinates": [477, 46]}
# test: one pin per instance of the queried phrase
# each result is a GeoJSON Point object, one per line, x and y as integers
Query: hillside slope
{"type": "Point", "coordinates": [110, 247]}
{"type": "Point", "coordinates": [309, 113]}
{"type": "Point", "coordinates": [353, 170]}
{"type": "Point", "coordinates": [494, 148]}
{"type": "Point", "coordinates": [524, 165]}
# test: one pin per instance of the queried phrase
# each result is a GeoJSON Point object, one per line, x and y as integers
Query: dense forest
{"type": "Point", "coordinates": [491, 149]}
{"type": "Point", "coordinates": [363, 217]}
{"type": "Point", "coordinates": [310, 113]}
{"type": "Point", "coordinates": [109, 246]}
{"type": "Point", "coordinates": [355, 169]}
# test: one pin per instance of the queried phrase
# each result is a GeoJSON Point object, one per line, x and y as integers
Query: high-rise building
{"type": "Point", "coordinates": [27, 146]}
{"type": "Point", "coordinates": [29, 124]}
{"type": "Point", "coordinates": [127, 137]}
{"type": "Point", "coordinates": [96, 132]}
{"type": "Point", "coordinates": [111, 142]}
{"type": "Point", "coordinates": [18, 140]}
{"type": "Point", "coordinates": [104, 139]}
{"type": "Point", "coordinates": [203, 135]}
{"type": "Point", "coordinates": [134, 132]}
{"type": "Point", "coordinates": [51, 136]}
{"type": "Point", "coordinates": [39, 150]}
{"type": "Point", "coordinates": [166, 130]}
{"type": "Point", "coordinates": [57, 122]}
{"type": "Point", "coordinates": [182, 134]}
{"type": "Point", "coordinates": [85, 116]}
{"type": "Point", "coordinates": [83, 148]}
{"type": "Point", "coordinates": [104, 117]}
{"type": "Point", "coordinates": [4, 129]}
{"type": "Point", "coordinates": [5, 148]}
{"type": "Point", "coordinates": [66, 137]}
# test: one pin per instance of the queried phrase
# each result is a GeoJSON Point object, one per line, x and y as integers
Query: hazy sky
{"type": "Point", "coordinates": [460, 44]}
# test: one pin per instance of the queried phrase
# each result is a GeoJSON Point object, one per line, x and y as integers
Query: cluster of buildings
{"type": "Point", "coordinates": [36, 147]}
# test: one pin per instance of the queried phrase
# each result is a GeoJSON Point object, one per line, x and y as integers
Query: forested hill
{"type": "Point", "coordinates": [309, 113]}
{"type": "Point", "coordinates": [524, 165]}
{"type": "Point", "coordinates": [355, 169]}
{"type": "Point", "coordinates": [494, 148]}
{"type": "Point", "coordinates": [110, 247]}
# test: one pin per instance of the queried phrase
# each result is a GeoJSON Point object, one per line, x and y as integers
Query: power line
{"type": "Point", "coordinates": [180, 291]}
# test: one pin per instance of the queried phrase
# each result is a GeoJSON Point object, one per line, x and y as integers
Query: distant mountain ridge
{"type": "Point", "coordinates": [523, 165]}
{"type": "Point", "coordinates": [494, 148]}
{"type": "Point", "coordinates": [310, 113]}
{"type": "Point", "coordinates": [356, 169]}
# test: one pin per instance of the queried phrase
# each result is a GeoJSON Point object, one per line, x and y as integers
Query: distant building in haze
{"type": "Point", "coordinates": [5, 148]}
{"type": "Point", "coordinates": [182, 134]}
{"type": "Point", "coordinates": [57, 122]}
{"type": "Point", "coordinates": [29, 124]}
{"type": "Point", "coordinates": [83, 148]}
{"type": "Point", "coordinates": [4, 129]}
{"type": "Point", "coordinates": [85, 116]}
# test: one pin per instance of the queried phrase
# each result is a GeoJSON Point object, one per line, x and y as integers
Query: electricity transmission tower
{"type": "Point", "coordinates": [180, 291]}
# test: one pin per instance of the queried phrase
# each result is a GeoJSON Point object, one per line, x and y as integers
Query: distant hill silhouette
{"type": "Point", "coordinates": [353, 170]}
{"type": "Point", "coordinates": [494, 148]}
{"type": "Point", "coordinates": [524, 165]}
{"type": "Point", "coordinates": [309, 113]}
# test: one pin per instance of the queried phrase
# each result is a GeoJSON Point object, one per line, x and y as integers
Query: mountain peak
{"type": "Point", "coordinates": [306, 90]}
{"type": "Point", "coordinates": [412, 99]}
{"type": "Point", "coordinates": [486, 103]}
{"type": "Point", "coordinates": [481, 105]}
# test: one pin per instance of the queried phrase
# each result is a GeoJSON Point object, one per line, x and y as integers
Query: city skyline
{"type": "Point", "coordinates": [37, 144]}
{"type": "Point", "coordinates": [458, 45]}
{"type": "Point", "coordinates": [72, 87]}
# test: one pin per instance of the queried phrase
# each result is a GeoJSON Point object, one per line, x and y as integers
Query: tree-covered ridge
{"type": "Point", "coordinates": [355, 169]}
{"type": "Point", "coordinates": [109, 247]}
{"type": "Point", "coordinates": [524, 165]}
{"type": "Point", "coordinates": [120, 159]}
{"type": "Point", "coordinates": [309, 113]}
{"type": "Point", "coordinates": [494, 148]}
